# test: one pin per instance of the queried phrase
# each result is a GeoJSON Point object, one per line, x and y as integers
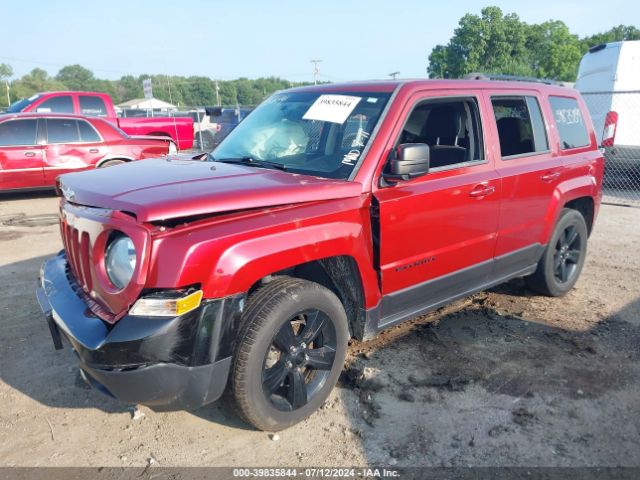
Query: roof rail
{"type": "Point", "coordinates": [512, 78]}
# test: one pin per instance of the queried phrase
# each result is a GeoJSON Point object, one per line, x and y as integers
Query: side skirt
{"type": "Point", "coordinates": [423, 298]}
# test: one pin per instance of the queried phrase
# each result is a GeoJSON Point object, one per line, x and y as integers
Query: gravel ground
{"type": "Point", "coordinates": [500, 378]}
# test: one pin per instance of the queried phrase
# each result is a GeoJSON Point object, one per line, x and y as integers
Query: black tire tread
{"type": "Point", "coordinates": [259, 306]}
{"type": "Point", "coordinates": [538, 281]}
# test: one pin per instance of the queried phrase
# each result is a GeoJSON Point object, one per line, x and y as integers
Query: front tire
{"type": "Point", "coordinates": [290, 352]}
{"type": "Point", "coordinates": [563, 258]}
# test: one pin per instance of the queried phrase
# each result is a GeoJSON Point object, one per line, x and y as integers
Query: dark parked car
{"type": "Point", "coordinates": [216, 124]}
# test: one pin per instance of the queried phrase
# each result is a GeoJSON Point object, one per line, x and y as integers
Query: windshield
{"type": "Point", "coordinates": [306, 132]}
{"type": "Point", "coordinates": [22, 104]}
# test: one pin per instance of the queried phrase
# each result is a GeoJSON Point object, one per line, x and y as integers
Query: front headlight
{"type": "Point", "coordinates": [120, 260]}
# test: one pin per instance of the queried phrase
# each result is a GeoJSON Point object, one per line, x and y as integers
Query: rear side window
{"type": "Point", "coordinates": [520, 125]}
{"type": "Point", "coordinates": [62, 130]}
{"type": "Point", "coordinates": [87, 132]}
{"type": "Point", "coordinates": [571, 127]}
{"type": "Point", "coordinates": [92, 106]}
{"type": "Point", "coordinates": [18, 132]}
{"type": "Point", "coordinates": [60, 104]}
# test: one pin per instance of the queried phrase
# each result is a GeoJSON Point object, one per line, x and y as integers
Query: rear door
{"type": "Point", "coordinates": [20, 155]}
{"type": "Point", "coordinates": [530, 171]}
{"type": "Point", "coordinates": [71, 145]}
{"type": "Point", "coordinates": [437, 232]}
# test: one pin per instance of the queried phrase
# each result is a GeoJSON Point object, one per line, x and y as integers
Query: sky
{"type": "Point", "coordinates": [355, 40]}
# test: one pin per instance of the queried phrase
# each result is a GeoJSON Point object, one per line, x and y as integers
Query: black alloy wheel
{"type": "Point", "coordinates": [567, 254]}
{"type": "Point", "coordinates": [299, 360]}
{"type": "Point", "coordinates": [562, 259]}
{"type": "Point", "coordinates": [289, 352]}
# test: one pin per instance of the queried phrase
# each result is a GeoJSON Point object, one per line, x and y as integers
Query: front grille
{"type": "Point", "coordinates": [78, 247]}
{"type": "Point", "coordinates": [83, 229]}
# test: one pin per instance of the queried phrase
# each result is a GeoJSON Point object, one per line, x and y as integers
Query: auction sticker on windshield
{"type": "Point", "coordinates": [332, 108]}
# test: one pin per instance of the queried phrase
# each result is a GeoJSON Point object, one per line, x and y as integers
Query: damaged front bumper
{"type": "Point", "coordinates": [167, 363]}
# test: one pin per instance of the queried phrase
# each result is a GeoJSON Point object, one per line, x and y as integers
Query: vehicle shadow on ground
{"type": "Point", "coordinates": [27, 194]}
{"type": "Point", "coordinates": [32, 366]}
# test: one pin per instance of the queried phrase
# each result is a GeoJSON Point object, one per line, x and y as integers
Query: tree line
{"type": "Point", "coordinates": [493, 42]}
{"type": "Point", "coordinates": [178, 90]}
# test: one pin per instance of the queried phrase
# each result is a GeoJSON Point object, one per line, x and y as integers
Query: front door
{"type": "Point", "coordinates": [20, 155]}
{"type": "Point", "coordinates": [437, 232]}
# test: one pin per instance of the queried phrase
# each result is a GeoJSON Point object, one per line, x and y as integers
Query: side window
{"type": "Point", "coordinates": [87, 132]}
{"type": "Point", "coordinates": [60, 104]}
{"type": "Point", "coordinates": [540, 142]}
{"type": "Point", "coordinates": [451, 128]}
{"type": "Point", "coordinates": [92, 106]}
{"type": "Point", "coordinates": [520, 125]}
{"type": "Point", "coordinates": [62, 130]}
{"type": "Point", "coordinates": [571, 128]}
{"type": "Point", "coordinates": [18, 132]}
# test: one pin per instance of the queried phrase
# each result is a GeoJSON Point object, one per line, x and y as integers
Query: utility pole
{"type": "Point", "coordinates": [316, 70]}
{"type": "Point", "coordinates": [8, 97]}
{"type": "Point", "coordinates": [217, 94]}
{"type": "Point", "coordinates": [394, 75]}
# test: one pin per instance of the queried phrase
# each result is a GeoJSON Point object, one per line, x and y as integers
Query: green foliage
{"type": "Point", "coordinates": [38, 80]}
{"type": "Point", "coordinates": [181, 91]}
{"type": "Point", "coordinates": [554, 52]}
{"type": "Point", "coordinates": [76, 77]}
{"type": "Point", "coordinates": [5, 71]}
{"type": "Point", "coordinates": [616, 34]}
{"type": "Point", "coordinates": [503, 44]}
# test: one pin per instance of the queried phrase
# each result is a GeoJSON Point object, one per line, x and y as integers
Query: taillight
{"type": "Point", "coordinates": [218, 127]}
{"type": "Point", "coordinates": [609, 131]}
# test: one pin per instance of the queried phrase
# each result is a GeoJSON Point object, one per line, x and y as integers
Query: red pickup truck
{"type": "Point", "coordinates": [330, 212]}
{"type": "Point", "coordinates": [94, 104]}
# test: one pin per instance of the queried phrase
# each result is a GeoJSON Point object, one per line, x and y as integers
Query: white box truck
{"type": "Point", "coordinates": [609, 81]}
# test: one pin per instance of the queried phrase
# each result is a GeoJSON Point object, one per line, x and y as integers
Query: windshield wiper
{"type": "Point", "coordinates": [251, 161]}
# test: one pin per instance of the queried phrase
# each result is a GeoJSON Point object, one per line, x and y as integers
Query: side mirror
{"type": "Point", "coordinates": [410, 160]}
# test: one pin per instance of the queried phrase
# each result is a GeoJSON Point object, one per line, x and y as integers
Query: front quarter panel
{"type": "Point", "coordinates": [228, 254]}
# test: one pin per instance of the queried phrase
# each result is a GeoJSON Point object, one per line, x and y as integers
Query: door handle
{"type": "Point", "coordinates": [550, 176]}
{"type": "Point", "coordinates": [482, 190]}
{"type": "Point", "coordinates": [93, 150]}
{"type": "Point", "coordinates": [29, 154]}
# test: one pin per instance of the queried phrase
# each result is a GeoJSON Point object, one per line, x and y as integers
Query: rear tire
{"type": "Point", "coordinates": [112, 163]}
{"type": "Point", "coordinates": [290, 352]}
{"type": "Point", "coordinates": [563, 258]}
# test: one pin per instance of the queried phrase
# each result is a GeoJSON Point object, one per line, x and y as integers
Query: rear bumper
{"type": "Point", "coordinates": [167, 363]}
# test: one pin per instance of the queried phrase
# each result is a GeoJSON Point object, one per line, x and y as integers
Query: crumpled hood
{"type": "Point", "coordinates": [176, 186]}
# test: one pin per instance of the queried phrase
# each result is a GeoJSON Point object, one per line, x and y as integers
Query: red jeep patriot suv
{"type": "Point", "coordinates": [331, 212]}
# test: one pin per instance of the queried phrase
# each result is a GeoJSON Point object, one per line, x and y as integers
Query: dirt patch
{"type": "Point", "coordinates": [22, 220]}
{"type": "Point", "coordinates": [7, 235]}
